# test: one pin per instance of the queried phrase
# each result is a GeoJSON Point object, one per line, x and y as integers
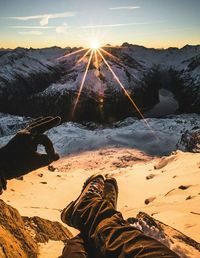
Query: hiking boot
{"type": "Point", "coordinates": [111, 191]}
{"type": "Point", "coordinates": [93, 186]}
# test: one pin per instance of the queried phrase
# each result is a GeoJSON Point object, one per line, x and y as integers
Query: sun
{"type": "Point", "coordinates": [94, 44]}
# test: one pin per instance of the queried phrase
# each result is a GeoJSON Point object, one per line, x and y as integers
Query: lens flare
{"type": "Point", "coordinates": [94, 44]}
{"type": "Point", "coordinates": [82, 58]}
{"type": "Point", "coordinates": [96, 60]}
{"type": "Point", "coordinates": [125, 91]}
{"type": "Point", "coordinates": [82, 83]}
{"type": "Point", "coordinates": [72, 53]}
{"type": "Point", "coordinates": [110, 55]}
{"type": "Point", "coordinates": [96, 54]}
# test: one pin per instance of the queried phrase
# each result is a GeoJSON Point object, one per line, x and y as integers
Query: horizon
{"type": "Point", "coordinates": [153, 24]}
{"type": "Point", "coordinates": [79, 47]}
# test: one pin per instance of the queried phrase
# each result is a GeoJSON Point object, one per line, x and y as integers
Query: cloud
{"type": "Point", "coordinates": [62, 29]}
{"type": "Point", "coordinates": [119, 24]}
{"type": "Point", "coordinates": [59, 29]}
{"type": "Point", "coordinates": [32, 32]}
{"type": "Point", "coordinates": [124, 8]}
{"type": "Point", "coordinates": [32, 27]}
{"type": "Point", "coordinates": [44, 18]}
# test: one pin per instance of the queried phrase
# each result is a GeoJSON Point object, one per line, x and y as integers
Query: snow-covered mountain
{"type": "Point", "coordinates": [46, 81]}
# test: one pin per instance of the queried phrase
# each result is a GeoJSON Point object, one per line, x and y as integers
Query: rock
{"type": "Point", "coordinates": [184, 187]}
{"type": "Point", "coordinates": [189, 197]}
{"type": "Point", "coordinates": [151, 176]}
{"type": "Point", "coordinates": [150, 199]}
{"type": "Point", "coordinates": [46, 230]}
{"type": "Point", "coordinates": [20, 235]}
{"type": "Point", "coordinates": [190, 141]}
{"type": "Point", "coordinates": [51, 168]}
{"type": "Point", "coordinates": [15, 241]}
{"type": "Point", "coordinates": [181, 244]}
{"type": "Point", "coordinates": [164, 161]}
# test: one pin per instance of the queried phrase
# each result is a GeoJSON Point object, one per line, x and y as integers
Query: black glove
{"type": "Point", "coordinates": [20, 155]}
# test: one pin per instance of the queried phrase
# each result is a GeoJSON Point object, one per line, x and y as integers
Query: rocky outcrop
{"type": "Point", "coordinates": [20, 236]}
{"type": "Point", "coordinates": [181, 244]}
{"type": "Point", "coordinates": [190, 141]}
{"type": "Point", "coordinates": [45, 230]}
{"type": "Point", "coordinates": [15, 241]}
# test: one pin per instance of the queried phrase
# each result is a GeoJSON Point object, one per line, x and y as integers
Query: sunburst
{"type": "Point", "coordinates": [94, 44]}
{"type": "Point", "coordinates": [97, 51]}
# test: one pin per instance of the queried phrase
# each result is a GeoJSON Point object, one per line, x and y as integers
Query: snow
{"type": "Point", "coordinates": [9, 124]}
{"type": "Point", "coordinates": [160, 138]}
{"type": "Point", "coordinates": [25, 62]}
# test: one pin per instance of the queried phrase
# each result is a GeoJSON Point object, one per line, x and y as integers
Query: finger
{"type": "Point", "coordinates": [37, 121]}
{"type": "Point", "coordinates": [45, 125]}
{"type": "Point", "coordinates": [45, 141]}
{"type": "Point", "coordinates": [34, 121]}
{"type": "Point", "coordinates": [42, 160]}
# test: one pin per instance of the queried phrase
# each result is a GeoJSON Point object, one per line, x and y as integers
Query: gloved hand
{"type": "Point", "coordinates": [20, 155]}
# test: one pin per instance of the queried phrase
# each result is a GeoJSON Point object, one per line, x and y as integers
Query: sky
{"type": "Point", "coordinates": [74, 23]}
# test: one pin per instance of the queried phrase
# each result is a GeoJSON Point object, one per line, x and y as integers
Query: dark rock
{"type": "Point", "coordinates": [151, 176]}
{"type": "Point", "coordinates": [149, 200]}
{"type": "Point", "coordinates": [20, 235]}
{"type": "Point", "coordinates": [51, 168]}
{"type": "Point", "coordinates": [190, 141]}
{"type": "Point", "coordinates": [184, 187]}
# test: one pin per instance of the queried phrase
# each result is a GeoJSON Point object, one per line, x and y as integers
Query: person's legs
{"type": "Point", "coordinates": [75, 248]}
{"type": "Point", "coordinates": [107, 233]}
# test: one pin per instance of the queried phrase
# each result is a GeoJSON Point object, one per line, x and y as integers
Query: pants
{"type": "Point", "coordinates": [104, 233]}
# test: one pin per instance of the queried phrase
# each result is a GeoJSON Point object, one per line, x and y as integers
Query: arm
{"type": "Point", "coordinates": [20, 155]}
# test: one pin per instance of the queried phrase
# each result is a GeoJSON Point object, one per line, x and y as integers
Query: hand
{"type": "Point", "coordinates": [20, 155]}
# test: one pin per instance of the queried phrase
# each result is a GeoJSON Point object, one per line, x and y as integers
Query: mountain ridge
{"type": "Point", "coordinates": [49, 79]}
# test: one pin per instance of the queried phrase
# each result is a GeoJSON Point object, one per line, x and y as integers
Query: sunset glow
{"type": "Point", "coordinates": [95, 51]}
{"type": "Point", "coordinates": [94, 44]}
{"type": "Point", "coordinates": [149, 23]}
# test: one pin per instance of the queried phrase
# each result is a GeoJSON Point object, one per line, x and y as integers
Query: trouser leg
{"type": "Point", "coordinates": [75, 248]}
{"type": "Point", "coordinates": [109, 235]}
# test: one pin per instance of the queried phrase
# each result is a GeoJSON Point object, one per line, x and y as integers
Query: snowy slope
{"type": "Point", "coordinates": [71, 138]}
{"type": "Point", "coordinates": [25, 62]}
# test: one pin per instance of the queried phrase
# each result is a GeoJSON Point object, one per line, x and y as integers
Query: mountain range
{"type": "Point", "coordinates": [36, 82]}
